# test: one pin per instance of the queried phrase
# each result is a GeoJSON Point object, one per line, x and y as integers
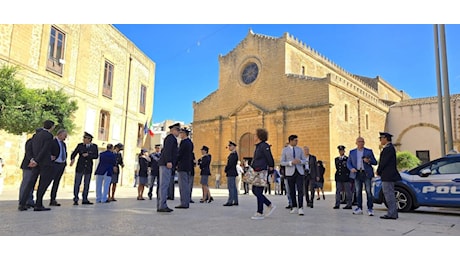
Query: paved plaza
{"type": "Point", "coordinates": [131, 217]}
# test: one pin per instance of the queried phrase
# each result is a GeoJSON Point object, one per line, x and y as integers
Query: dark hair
{"type": "Point", "coordinates": [262, 134]}
{"type": "Point", "coordinates": [48, 124]}
{"type": "Point", "coordinates": [292, 137]}
{"type": "Point", "coordinates": [109, 146]}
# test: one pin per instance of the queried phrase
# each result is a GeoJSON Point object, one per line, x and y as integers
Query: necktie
{"type": "Point", "coordinates": [293, 152]}
{"type": "Point", "coordinates": [63, 152]}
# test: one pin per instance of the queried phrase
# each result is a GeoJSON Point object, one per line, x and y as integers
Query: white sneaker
{"type": "Point", "coordinates": [301, 212]}
{"type": "Point", "coordinates": [294, 211]}
{"type": "Point", "coordinates": [370, 212]}
{"type": "Point", "coordinates": [357, 211]}
{"type": "Point", "coordinates": [270, 210]}
{"type": "Point", "coordinates": [258, 216]}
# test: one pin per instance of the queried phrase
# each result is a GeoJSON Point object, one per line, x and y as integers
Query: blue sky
{"type": "Point", "coordinates": [186, 56]}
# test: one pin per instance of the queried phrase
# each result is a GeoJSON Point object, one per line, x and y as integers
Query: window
{"type": "Point", "coordinates": [424, 156]}
{"type": "Point", "coordinates": [346, 113]}
{"type": "Point", "coordinates": [303, 70]}
{"type": "Point", "coordinates": [55, 60]}
{"type": "Point", "coordinates": [367, 121]}
{"type": "Point", "coordinates": [104, 124]}
{"type": "Point", "coordinates": [108, 80]}
{"type": "Point", "coordinates": [140, 134]}
{"type": "Point", "coordinates": [448, 165]}
{"type": "Point", "coordinates": [142, 101]}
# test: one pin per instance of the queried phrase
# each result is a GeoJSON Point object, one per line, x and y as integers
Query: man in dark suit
{"type": "Point", "coordinates": [311, 175]}
{"type": "Point", "coordinates": [231, 173]}
{"type": "Point", "coordinates": [41, 164]}
{"type": "Point", "coordinates": [389, 173]}
{"type": "Point", "coordinates": [87, 152]}
{"type": "Point", "coordinates": [184, 168]}
{"type": "Point", "coordinates": [59, 151]}
{"type": "Point", "coordinates": [27, 177]}
{"type": "Point", "coordinates": [167, 163]}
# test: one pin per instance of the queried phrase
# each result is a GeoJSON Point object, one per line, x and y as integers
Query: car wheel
{"type": "Point", "coordinates": [403, 200]}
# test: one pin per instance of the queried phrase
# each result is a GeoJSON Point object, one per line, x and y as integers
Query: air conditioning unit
{"type": "Point", "coordinates": [61, 61]}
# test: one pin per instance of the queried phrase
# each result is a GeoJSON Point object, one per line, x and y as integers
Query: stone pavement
{"type": "Point", "coordinates": [130, 217]}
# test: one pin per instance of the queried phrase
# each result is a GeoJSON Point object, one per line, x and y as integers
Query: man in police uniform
{"type": "Point", "coordinates": [389, 173]}
{"type": "Point", "coordinates": [167, 163]}
{"type": "Point", "coordinates": [87, 152]}
{"type": "Point", "coordinates": [342, 179]}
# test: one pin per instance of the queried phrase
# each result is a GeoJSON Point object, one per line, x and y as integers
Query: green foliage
{"type": "Point", "coordinates": [406, 160]}
{"type": "Point", "coordinates": [22, 110]}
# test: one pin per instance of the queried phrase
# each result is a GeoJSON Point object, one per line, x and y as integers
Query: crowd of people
{"type": "Point", "coordinates": [299, 176]}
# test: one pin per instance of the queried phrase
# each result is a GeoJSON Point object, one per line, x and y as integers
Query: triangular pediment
{"type": "Point", "coordinates": [248, 108]}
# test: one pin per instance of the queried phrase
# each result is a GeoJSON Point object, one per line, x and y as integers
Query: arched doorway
{"type": "Point", "coordinates": [247, 147]}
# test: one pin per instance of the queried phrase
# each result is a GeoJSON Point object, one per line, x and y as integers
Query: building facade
{"type": "Point", "coordinates": [415, 124]}
{"type": "Point", "coordinates": [288, 88]}
{"type": "Point", "coordinates": [109, 77]}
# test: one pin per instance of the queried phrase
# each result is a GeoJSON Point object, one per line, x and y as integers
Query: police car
{"type": "Point", "coordinates": [434, 184]}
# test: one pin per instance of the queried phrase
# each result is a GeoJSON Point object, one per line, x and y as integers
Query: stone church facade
{"type": "Point", "coordinates": [285, 86]}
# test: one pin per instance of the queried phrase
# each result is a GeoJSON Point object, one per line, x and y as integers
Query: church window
{"type": "Point", "coordinates": [346, 113]}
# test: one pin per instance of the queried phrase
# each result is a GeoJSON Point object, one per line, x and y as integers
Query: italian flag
{"type": "Point", "coordinates": [151, 128]}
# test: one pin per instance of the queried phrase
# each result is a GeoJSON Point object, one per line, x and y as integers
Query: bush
{"type": "Point", "coordinates": [406, 160]}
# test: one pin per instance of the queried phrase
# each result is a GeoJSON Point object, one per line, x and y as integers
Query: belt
{"type": "Point", "coordinates": [59, 162]}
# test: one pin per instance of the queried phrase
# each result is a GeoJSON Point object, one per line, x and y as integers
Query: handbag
{"type": "Point", "coordinates": [256, 178]}
{"type": "Point", "coordinates": [260, 178]}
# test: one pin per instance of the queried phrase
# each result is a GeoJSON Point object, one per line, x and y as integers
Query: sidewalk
{"type": "Point", "coordinates": [130, 217]}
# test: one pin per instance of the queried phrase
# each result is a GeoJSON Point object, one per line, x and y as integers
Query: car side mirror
{"type": "Point", "coordinates": [425, 172]}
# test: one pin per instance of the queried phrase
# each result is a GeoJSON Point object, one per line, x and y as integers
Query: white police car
{"type": "Point", "coordinates": [434, 184]}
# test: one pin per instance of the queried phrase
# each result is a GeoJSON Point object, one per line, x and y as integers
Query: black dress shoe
{"type": "Point", "coordinates": [164, 210]}
{"type": "Point", "coordinates": [387, 217]}
{"type": "Point", "coordinates": [30, 205]}
{"type": "Point", "coordinates": [54, 203]}
{"type": "Point", "coordinates": [191, 201]}
{"type": "Point", "coordinates": [288, 207]}
{"type": "Point", "coordinates": [347, 207]}
{"type": "Point", "coordinates": [41, 208]}
{"type": "Point", "coordinates": [181, 207]}
{"type": "Point", "coordinates": [228, 204]}
{"type": "Point", "coordinates": [22, 208]}
{"type": "Point", "coordinates": [87, 203]}
{"type": "Point", "coordinates": [336, 207]}
{"type": "Point", "coordinates": [75, 203]}
{"type": "Point", "coordinates": [235, 204]}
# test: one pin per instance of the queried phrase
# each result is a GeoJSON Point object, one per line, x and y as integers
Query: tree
{"type": "Point", "coordinates": [406, 160]}
{"type": "Point", "coordinates": [23, 110]}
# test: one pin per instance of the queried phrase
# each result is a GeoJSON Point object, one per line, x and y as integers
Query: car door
{"type": "Point", "coordinates": [438, 183]}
